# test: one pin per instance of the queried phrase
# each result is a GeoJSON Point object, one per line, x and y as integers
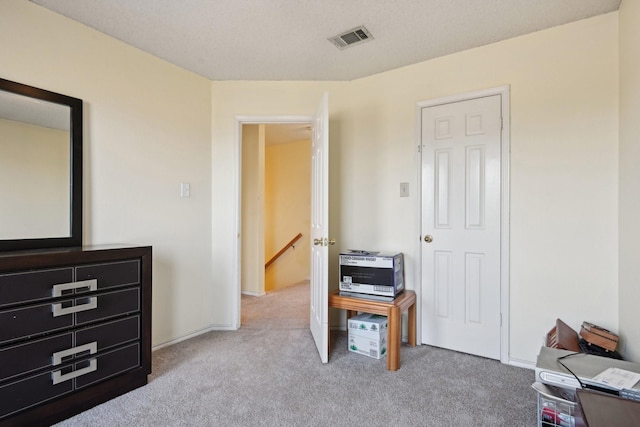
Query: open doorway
{"type": "Point", "coordinates": [275, 215]}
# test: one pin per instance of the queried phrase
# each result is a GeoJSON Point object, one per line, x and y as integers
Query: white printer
{"type": "Point", "coordinates": [549, 370]}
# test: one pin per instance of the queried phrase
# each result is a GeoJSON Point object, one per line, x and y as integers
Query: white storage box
{"type": "Point", "coordinates": [367, 346]}
{"type": "Point", "coordinates": [369, 325]}
{"type": "Point", "coordinates": [368, 335]}
{"type": "Point", "coordinates": [374, 273]}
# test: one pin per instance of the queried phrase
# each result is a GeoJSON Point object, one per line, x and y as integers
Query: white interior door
{"type": "Point", "coordinates": [319, 322]}
{"type": "Point", "coordinates": [461, 214]}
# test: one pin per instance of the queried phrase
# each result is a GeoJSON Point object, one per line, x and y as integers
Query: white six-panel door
{"type": "Point", "coordinates": [460, 225]}
{"type": "Point", "coordinates": [319, 318]}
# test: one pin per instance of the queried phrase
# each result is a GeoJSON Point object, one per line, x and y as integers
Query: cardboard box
{"type": "Point", "coordinates": [368, 335]}
{"type": "Point", "coordinates": [374, 273]}
{"type": "Point", "coordinates": [376, 349]}
{"type": "Point", "coordinates": [369, 325]}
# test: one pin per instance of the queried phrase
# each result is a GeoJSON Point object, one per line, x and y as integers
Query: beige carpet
{"type": "Point", "coordinates": [268, 373]}
{"type": "Point", "coordinates": [287, 308]}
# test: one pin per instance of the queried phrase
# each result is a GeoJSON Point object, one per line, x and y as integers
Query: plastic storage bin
{"type": "Point", "coordinates": [557, 407]}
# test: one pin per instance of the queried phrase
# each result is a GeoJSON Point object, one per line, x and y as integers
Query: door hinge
{"type": "Point", "coordinates": [501, 123]}
{"type": "Point", "coordinates": [419, 149]}
{"type": "Point", "coordinates": [500, 319]}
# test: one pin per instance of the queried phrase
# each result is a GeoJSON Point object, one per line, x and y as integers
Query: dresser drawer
{"type": "Point", "coordinates": [29, 357]}
{"type": "Point", "coordinates": [110, 304]}
{"type": "Point", "coordinates": [18, 395]}
{"type": "Point", "coordinates": [31, 286]}
{"type": "Point", "coordinates": [23, 322]}
{"type": "Point", "coordinates": [19, 323]}
{"type": "Point", "coordinates": [39, 354]}
{"type": "Point", "coordinates": [110, 334]}
{"type": "Point", "coordinates": [111, 274]}
{"type": "Point", "coordinates": [110, 364]}
{"type": "Point", "coordinates": [22, 394]}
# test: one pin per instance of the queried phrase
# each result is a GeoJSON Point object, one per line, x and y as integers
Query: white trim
{"type": "Point", "coordinates": [193, 335]}
{"type": "Point", "coordinates": [522, 364]}
{"type": "Point", "coordinates": [418, 225]}
{"type": "Point", "coordinates": [236, 266]}
{"type": "Point", "coordinates": [504, 92]}
{"type": "Point", "coordinates": [505, 223]}
{"type": "Point", "coordinates": [256, 120]}
{"type": "Point", "coordinates": [500, 90]}
{"type": "Point", "coordinates": [253, 294]}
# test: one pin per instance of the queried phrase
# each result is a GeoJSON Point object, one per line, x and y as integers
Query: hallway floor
{"type": "Point", "coordinates": [286, 308]}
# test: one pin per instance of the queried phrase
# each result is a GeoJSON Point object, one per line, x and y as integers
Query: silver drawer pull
{"type": "Point", "coordinates": [58, 377]}
{"type": "Point", "coordinates": [57, 357]}
{"type": "Point", "coordinates": [90, 305]}
{"type": "Point", "coordinates": [92, 284]}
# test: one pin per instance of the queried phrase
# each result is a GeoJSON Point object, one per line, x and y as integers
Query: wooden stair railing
{"type": "Point", "coordinates": [283, 250]}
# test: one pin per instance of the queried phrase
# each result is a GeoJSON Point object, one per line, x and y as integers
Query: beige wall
{"type": "Point", "coordinates": [287, 212]}
{"type": "Point", "coordinates": [629, 178]}
{"type": "Point", "coordinates": [35, 172]}
{"type": "Point", "coordinates": [147, 128]}
{"type": "Point", "coordinates": [252, 212]}
{"type": "Point", "coordinates": [150, 125]}
{"type": "Point", "coordinates": [564, 130]}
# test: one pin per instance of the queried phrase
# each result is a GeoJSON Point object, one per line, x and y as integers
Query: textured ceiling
{"type": "Point", "coordinates": [287, 39]}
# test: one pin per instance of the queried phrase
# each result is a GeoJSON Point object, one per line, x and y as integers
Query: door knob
{"type": "Point", "coordinates": [428, 238]}
{"type": "Point", "coordinates": [323, 241]}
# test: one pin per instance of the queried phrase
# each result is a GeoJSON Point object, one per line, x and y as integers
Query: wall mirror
{"type": "Point", "coordinates": [40, 168]}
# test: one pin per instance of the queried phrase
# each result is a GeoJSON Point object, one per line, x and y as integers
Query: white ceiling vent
{"type": "Point", "coordinates": [352, 37]}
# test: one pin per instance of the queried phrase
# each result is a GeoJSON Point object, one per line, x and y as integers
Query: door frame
{"type": "Point", "coordinates": [504, 92]}
{"type": "Point", "coordinates": [237, 195]}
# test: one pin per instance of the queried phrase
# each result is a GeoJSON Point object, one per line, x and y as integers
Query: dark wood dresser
{"type": "Point", "coordinates": [75, 330]}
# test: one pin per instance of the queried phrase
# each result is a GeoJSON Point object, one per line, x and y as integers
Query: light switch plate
{"type": "Point", "coordinates": [404, 189]}
{"type": "Point", "coordinates": [185, 190]}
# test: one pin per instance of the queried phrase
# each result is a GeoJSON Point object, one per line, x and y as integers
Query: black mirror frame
{"type": "Point", "coordinates": [75, 221]}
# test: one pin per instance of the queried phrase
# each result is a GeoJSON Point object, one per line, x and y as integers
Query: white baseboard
{"type": "Point", "coordinates": [253, 294]}
{"type": "Point", "coordinates": [522, 364]}
{"type": "Point", "coordinates": [194, 334]}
